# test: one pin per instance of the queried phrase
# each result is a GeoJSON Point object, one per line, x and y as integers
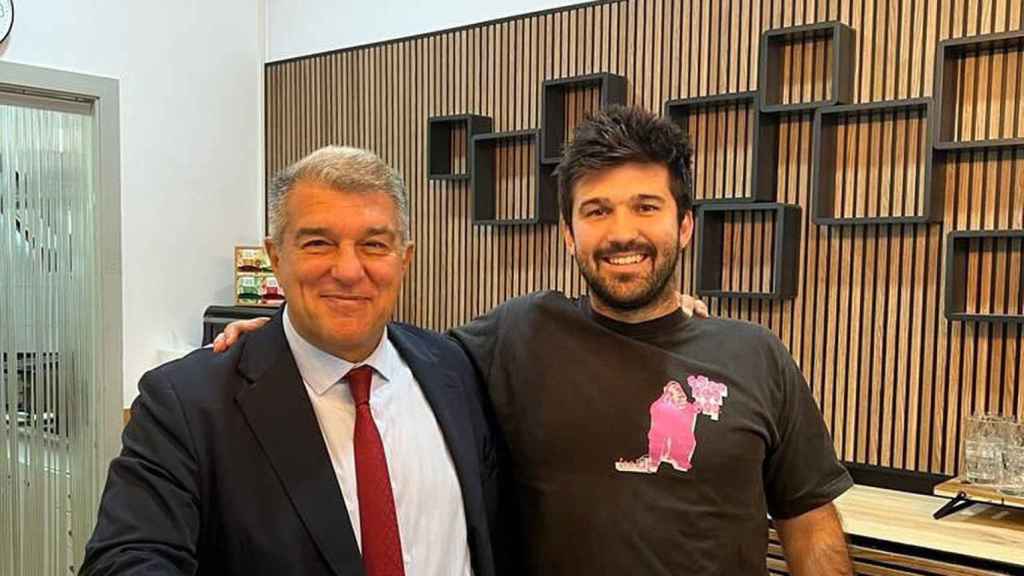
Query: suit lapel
{"type": "Point", "coordinates": [447, 400]}
{"type": "Point", "coordinates": [277, 409]}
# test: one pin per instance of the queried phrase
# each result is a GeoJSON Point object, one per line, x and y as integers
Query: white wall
{"type": "Point", "coordinates": [191, 145]}
{"type": "Point", "coordinates": [191, 83]}
{"type": "Point", "coordinates": [299, 27]}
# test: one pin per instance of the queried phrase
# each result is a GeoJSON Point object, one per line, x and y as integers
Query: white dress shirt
{"type": "Point", "coordinates": [428, 498]}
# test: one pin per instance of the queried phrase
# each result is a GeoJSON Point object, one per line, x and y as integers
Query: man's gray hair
{"type": "Point", "coordinates": [341, 168]}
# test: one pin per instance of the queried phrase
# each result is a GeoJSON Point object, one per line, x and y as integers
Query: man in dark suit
{"type": "Point", "coordinates": [329, 442]}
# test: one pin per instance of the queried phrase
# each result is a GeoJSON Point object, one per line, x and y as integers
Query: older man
{"type": "Point", "coordinates": [331, 441]}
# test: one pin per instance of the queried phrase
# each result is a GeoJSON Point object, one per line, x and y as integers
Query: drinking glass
{"type": "Point", "coordinates": [984, 449]}
{"type": "Point", "coordinates": [1013, 459]}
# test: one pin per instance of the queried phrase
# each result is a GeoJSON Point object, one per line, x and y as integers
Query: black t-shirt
{"type": "Point", "coordinates": [652, 448]}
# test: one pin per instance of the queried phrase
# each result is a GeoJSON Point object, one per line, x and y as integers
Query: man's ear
{"type": "Point", "coordinates": [567, 236]}
{"type": "Point", "coordinates": [686, 229]}
{"type": "Point", "coordinates": [408, 252]}
{"type": "Point", "coordinates": [272, 252]}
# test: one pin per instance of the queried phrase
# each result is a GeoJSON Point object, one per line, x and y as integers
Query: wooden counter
{"type": "Point", "coordinates": [893, 532]}
{"type": "Point", "coordinates": [982, 531]}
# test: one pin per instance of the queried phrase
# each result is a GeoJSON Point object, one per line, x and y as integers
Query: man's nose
{"type": "Point", "coordinates": [622, 228]}
{"type": "Point", "coordinates": [348, 267]}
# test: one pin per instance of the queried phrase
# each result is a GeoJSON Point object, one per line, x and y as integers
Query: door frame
{"type": "Point", "coordinates": [22, 84]}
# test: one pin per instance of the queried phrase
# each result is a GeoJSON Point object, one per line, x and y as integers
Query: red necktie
{"type": "Point", "coordinates": [378, 522]}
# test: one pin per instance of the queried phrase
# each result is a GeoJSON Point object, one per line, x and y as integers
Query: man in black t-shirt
{"type": "Point", "coordinates": [637, 440]}
{"type": "Point", "coordinates": [655, 447]}
{"type": "Point", "coordinates": [640, 441]}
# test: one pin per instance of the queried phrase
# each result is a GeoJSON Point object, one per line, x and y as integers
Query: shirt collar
{"type": "Point", "coordinates": [321, 369]}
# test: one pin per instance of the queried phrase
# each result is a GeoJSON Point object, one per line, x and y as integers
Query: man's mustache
{"type": "Point", "coordinates": [631, 247]}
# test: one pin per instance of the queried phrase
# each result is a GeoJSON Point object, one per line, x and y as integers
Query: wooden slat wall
{"type": "Point", "coordinates": [460, 150]}
{"type": "Point", "coordinates": [513, 178]}
{"type": "Point", "coordinates": [808, 70]}
{"type": "Point", "coordinates": [747, 251]}
{"type": "Point", "coordinates": [997, 263]}
{"type": "Point", "coordinates": [880, 165]}
{"type": "Point", "coordinates": [579, 104]}
{"type": "Point", "coordinates": [990, 101]}
{"type": "Point", "coordinates": [722, 140]}
{"type": "Point", "coordinates": [894, 379]}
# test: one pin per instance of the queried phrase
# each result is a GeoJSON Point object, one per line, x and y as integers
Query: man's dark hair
{"type": "Point", "coordinates": [620, 135]}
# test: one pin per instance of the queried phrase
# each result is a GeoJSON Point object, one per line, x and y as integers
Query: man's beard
{"type": "Point", "coordinates": [651, 286]}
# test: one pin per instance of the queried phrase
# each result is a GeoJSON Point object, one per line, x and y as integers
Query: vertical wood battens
{"type": "Point", "coordinates": [893, 377]}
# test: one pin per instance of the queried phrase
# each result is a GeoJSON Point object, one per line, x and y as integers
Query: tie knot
{"type": "Point", "coordinates": [359, 382]}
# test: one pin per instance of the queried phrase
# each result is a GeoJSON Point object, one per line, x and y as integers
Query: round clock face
{"type": "Point", "coordinates": [6, 18]}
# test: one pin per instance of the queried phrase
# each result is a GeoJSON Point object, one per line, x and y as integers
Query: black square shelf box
{"type": "Point", "coordinates": [446, 137]}
{"type": "Point", "coordinates": [839, 65]}
{"type": "Point", "coordinates": [611, 89]}
{"type": "Point", "coordinates": [985, 276]}
{"type": "Point", "coordinates": [726, 268]}
{"type": "Point", "coordinates": [490, 154]}
{"type": "Point", "coordinates": [959, 78]}
{"type": "Point", "coordinates": [761, 170]}
{"type": "Point", "coordinates": [888, 135]}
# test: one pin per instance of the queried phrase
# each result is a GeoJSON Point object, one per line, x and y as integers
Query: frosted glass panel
{"type": "Point", "coordinates": [49, 340]}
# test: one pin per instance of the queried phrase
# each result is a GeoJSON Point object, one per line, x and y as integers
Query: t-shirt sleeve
{"type": "Point", "coordinates": [482, 339]}
{"type": "Point", "coordinates": [802, 471]}
{"type": "Point", "coordinates": [479, 339]}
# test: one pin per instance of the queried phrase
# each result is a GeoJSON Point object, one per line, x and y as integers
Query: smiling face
{"type": "Point", "coordinates": [340, 259]}
{"type": "Point", "coordinates": [626, 236]}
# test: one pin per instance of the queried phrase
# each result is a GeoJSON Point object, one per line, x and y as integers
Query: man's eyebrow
{"type": "Point", "coordinates": [381, 231]}
{"type": "Point", "coordinates": [312, 231]}
{"type": "Point", "coordinates": [644, 196]}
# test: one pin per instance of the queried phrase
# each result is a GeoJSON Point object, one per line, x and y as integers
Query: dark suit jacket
{"type": "Point", "coordinates": [224, 469]}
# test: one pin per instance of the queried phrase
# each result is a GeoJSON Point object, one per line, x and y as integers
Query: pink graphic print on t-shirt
{"type": "Point", "coordinates": [707, 395]}
{"type": "Point", "coordinates": [672, 437]}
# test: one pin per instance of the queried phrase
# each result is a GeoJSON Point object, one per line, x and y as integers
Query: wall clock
{"type": "Point", "coordinates": [6, 18]}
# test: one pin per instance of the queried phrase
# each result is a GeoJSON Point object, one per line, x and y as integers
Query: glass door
{"type": "Point", "coordinates": [52, 453]}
